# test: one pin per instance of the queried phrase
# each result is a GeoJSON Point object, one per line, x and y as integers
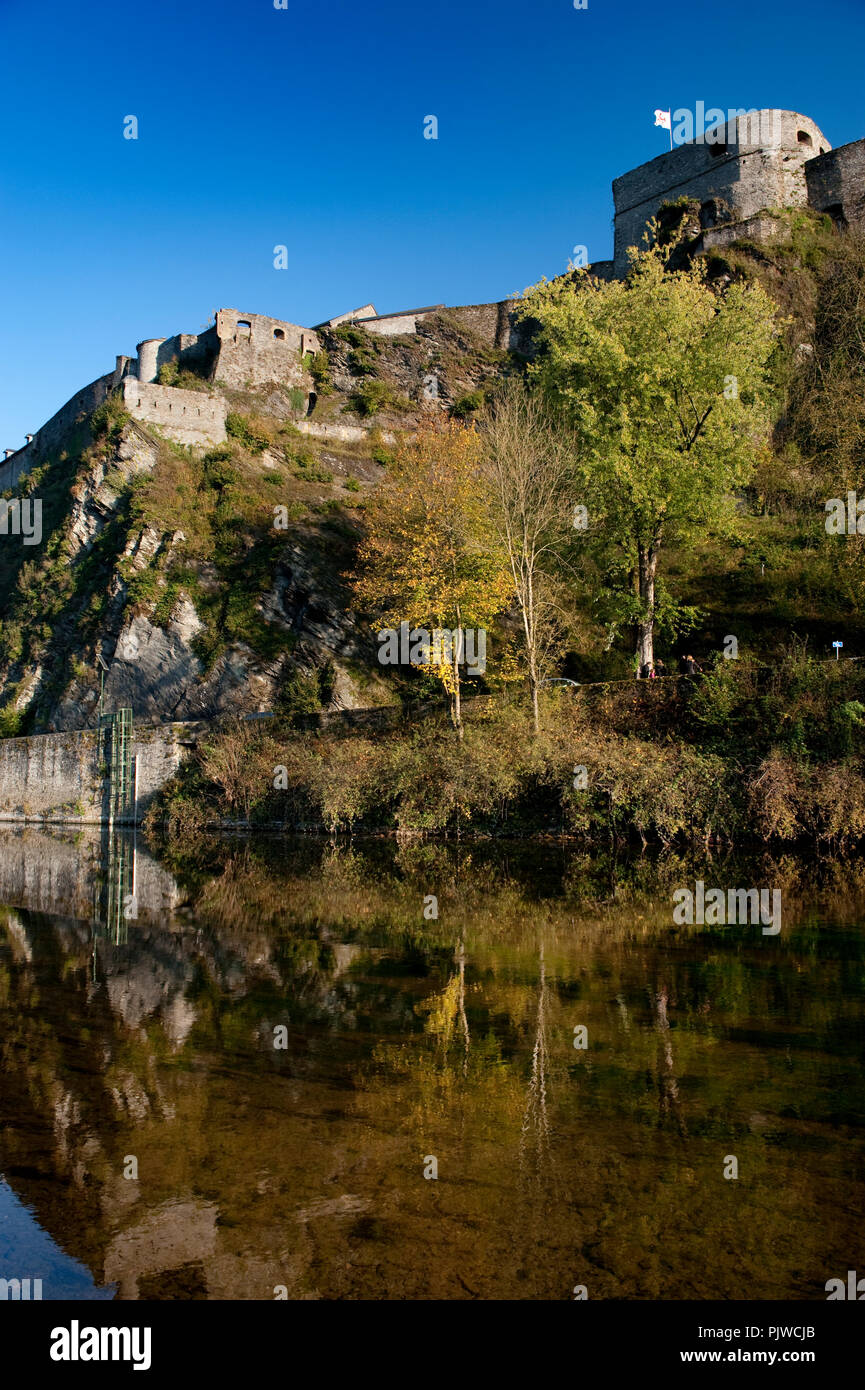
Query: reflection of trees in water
{"type": "Point", "coordinates": [535, 1132]}
{"type": "Point", "coordinates": [461, 961]}
{"type": "Point", "coordinates": [668, 1087]}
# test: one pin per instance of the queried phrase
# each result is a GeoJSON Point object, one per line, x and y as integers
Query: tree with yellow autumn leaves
{"type": "Point", "coordinates": [429, 556]}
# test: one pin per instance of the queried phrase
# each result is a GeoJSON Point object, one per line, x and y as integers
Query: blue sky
{"type": "Point", "coordinates": [303, 127]}
{"type": "Point", "coordinates": [28, 1251]}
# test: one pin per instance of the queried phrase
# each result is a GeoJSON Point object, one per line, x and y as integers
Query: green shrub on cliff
{"type": "Point", "coordinates": [318, 366]}
{"type": "Point", "coordinates": [11, 721]}
{"type": "Point", "coordinates": [253, 434]}
{"type": "Point", "coordinates": [373, 396]}
{"type": "Point", "coordinates": [108, 419]}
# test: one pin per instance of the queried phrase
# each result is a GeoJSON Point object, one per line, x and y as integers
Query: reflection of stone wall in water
{"type": "Point", "coordinates": [60, 874]}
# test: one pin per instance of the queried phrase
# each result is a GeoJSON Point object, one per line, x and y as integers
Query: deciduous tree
{"type": "Point", "coordinates": [428, 557]}
{"type": "Point", "coordinates": [529, 465]}
{"type": "Point", "coordinates": [665, 383]}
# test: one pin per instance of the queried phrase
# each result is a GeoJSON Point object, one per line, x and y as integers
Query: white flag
{"type": "Point", "coordinates": [662, 118]}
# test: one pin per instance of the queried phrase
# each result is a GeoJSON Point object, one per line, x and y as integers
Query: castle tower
{"type": "Point", "coordinates": [123, 366]}
{"type": "Point", "coordinates": [148, 352]}
{"type": "Point", "coordinates": [735, 167]}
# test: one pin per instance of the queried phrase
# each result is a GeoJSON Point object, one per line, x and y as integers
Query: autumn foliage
{"type": "Point", "coordinates": [430, 556]}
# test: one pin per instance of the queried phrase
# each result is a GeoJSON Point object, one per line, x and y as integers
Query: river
{"type": "Point", "coordinates": [318, 1070]}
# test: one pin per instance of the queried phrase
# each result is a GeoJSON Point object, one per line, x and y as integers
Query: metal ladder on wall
{"type": "Point", "coordinates": [115, 734]}
{"type": "Point", "coordinates": [120, 768]}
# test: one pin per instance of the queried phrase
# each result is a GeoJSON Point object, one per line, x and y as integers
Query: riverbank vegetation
{"type": "Point", "coordinates": [746, 752]}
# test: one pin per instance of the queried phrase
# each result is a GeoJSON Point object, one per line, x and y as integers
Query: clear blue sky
{"type": "Point", "coordinates": [304, 127]}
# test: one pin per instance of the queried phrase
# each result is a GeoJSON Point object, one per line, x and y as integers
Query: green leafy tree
{"type": "Point", "coordinates": [665, 383]}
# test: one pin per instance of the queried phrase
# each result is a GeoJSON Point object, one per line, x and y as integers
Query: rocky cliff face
{"type": "Point", "coordinates": [156, 665]}
{"type": "Point", "coordinates": [130, 591]}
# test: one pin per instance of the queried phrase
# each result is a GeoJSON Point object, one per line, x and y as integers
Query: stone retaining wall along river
{"type": "Point", "coordinates": [62, 779]}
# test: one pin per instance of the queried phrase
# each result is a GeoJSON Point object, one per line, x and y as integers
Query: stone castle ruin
{"type": "Point", "coordinates": [239, 350]}
{"type": "Point", "coordinates": [737, 171]}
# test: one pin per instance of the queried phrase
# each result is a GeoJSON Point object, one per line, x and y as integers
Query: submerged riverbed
{"type": "Point", "coordinates": [236, 1077]}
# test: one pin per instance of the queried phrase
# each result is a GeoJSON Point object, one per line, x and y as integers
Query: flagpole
{"type": "Point", "coordinates": [665, 120]}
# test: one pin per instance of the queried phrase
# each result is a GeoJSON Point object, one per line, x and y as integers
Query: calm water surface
{"type": "Point", "coordinates": [230, 1078]}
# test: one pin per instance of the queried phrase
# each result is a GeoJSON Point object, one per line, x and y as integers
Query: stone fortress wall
{"type": "Point", "coordinates": [238, 350]}
{"type": "Point", "coordinates": [55, 430]}
{"type": "Point", "coordinates": [189, 417]}
{"type": "Point", "coordinates": [254, 350]}
{"type": "Point", "coordinates": [743, 166]}
{"type": "Point", "coordinates": [495, 324]}
{"type": "Point", "coordinates": [60, 778]}
{"type": "Point", "coordinates": [836, 183]}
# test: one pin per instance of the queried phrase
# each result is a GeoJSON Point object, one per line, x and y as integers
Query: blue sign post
{"type": "Point", "coordinates": [837, 645]}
